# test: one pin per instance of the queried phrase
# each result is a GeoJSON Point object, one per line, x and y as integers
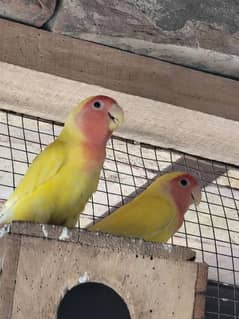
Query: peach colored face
{"type": "Point", "coordinates": [185, 190]}
{"type": "Point", "coordinates": [99, 117]}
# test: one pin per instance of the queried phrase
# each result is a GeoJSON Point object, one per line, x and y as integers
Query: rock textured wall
{"type": "Point", "coordinates": [210, 24]}
{"type": "Point", "coordinates": [33, 12]}
{"type": "Point", "coordinates": [203, 34]}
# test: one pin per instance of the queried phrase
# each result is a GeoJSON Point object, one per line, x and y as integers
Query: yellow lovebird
{"type": "Point", "coordinates": [157, 213]}
{"type": "Point", "coordinates": [61, 179]}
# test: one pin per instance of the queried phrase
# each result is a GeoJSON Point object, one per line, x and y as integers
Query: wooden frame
{"type": "Point", "coordinates": [117, 70]}
{"type": "Point", "coordinates": [152, 122]}
{"type": "Point", "coordinates": [80, 66]}
{"type": "Point", "coordinates": [200, 291]}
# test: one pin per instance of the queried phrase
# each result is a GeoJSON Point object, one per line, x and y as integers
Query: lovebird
{"type": "Point", "coordinates": [62, 177]}
{"type": "Point", "coordinates": [157, 213]}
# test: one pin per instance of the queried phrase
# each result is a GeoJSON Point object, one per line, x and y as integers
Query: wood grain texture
{"type": "Point", "coordinates": [50, 97]}
{"type": "Point", "coordinates": [98, 240]}
{"type": "Point", "coordinates": [9, 257]}
{"type": "Point", "coordinates": [36, 267]}
{"type": "Point", "coordinates": [49, 267]}
{"type": "Point", "coordinates": [118, 70]}
{"type": "Point", "coordinates": [200, 291]}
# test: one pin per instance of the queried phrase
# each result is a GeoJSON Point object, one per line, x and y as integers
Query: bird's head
{"type": "Point", "coordinates": [183, 188]}
{"type": "Point", "coordinates": [94, 119]}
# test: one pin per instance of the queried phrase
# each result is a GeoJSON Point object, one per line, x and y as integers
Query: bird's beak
{"type": "Point", "coordinates": [196, 195]}
{"type": "Point", "coordinates": [116, 117]}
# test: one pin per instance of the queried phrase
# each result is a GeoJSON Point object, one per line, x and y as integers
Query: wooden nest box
{"type": "Point", "coordinates": [50, 272]}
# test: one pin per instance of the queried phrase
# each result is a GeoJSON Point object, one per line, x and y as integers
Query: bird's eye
{"type": "Point", "coordinates": [184, 182]}
{"type": "Point", "coordinates": [98, 105]}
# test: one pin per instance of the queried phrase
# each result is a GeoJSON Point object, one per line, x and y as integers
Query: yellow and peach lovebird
{"type": "Point", "coordinates": [157, 213]}
{"type": "Point", "coordinates": [61, 179]}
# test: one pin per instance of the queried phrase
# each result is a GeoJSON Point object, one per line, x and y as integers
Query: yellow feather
{"type": "Point", "coordinates": [151, 215]}
{"type": "Point", "coordinates": [55, 188]}
{"type": "Point", "coordinates": [61, 179]}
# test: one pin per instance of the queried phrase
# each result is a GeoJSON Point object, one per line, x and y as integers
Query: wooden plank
{"type": "Point", "coordinates": [50, 97]}
{"type": "Point", "coordinates": [84, 237]}
{"type": "Point", "coordinates": [118, 70]}
{"type": "Point", "coordinates": [200, 291]}
{"type": "Point", "coordinates": [9, 257]}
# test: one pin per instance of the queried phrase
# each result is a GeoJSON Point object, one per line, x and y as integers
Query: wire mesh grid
{"type": "Point", "coordinates": [211, 229]}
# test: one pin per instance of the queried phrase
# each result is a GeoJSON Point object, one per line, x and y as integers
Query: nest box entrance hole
{"type": "Point", "coordinates": [92, 301]}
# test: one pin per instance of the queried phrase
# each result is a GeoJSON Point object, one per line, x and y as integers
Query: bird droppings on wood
{"type": "Point", "coordinates": [64, 234]}
{"type": "Point", "coordinates": [4, 230]}
{"type": "Point", "coordinates": [115, 243]}
{"type": "Point", "coordinates": [168, 247]}
{"type": "Point", "coordinates": [44, 230]}
{"type": "Point", "coordinates": [84, 278]}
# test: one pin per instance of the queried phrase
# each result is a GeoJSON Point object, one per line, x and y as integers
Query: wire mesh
{"type": "Point", "coordinates": [211, 229]}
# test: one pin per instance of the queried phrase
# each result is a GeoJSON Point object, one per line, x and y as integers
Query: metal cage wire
{"type": "Point", "coordinates": [211, 229]}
